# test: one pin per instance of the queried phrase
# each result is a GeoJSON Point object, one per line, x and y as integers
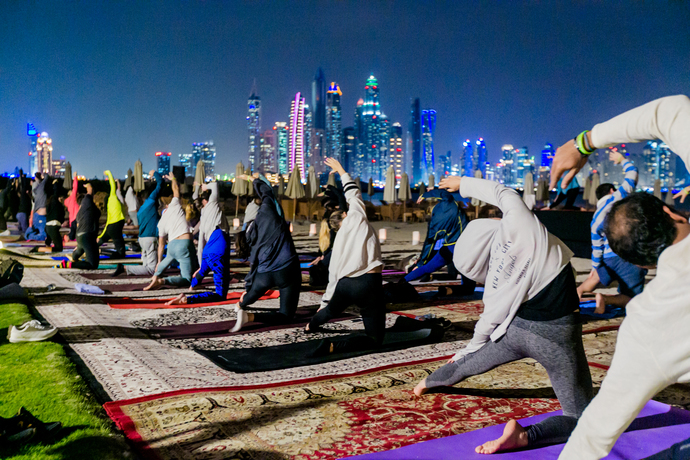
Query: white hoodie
{"type": "Point", "coordinates": [515, 258]}
{"type": "Point", "coordinates": [652, 349]}
{"type": "Point", "coordinates": [211, 216]}
{"type": "Point", "coordinates": [356, 249]}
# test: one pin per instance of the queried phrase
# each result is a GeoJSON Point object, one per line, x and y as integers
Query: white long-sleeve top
{"type": "Point", "coordinates": [173, 222]}
{"type": "Point", "coordinates": [524, 259]}
{"type": "Point", "coordinates": [356, 249]}
{"type": "Point", "coordinates": [211, 216]}
{"type": "Point", "coordinates": [131, 200]}
{"type": "Point", "coordinates": [652, 349]}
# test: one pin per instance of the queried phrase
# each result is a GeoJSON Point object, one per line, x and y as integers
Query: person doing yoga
{"type": "Point", "coordinates": [354, 276]}
{"type": "Point", "coordinates": [529, 303]}
{"type": "Point", "coordinates": [273, 262]}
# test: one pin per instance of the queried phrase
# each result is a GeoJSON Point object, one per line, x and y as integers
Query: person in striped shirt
{"type": "Point", "coordinates": [606, 265]}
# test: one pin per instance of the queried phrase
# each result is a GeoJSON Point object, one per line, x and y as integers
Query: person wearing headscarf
{"type": "Point", "coordinates": [212, 216]}
{"type": "Point", "coordinates": [115, 220]}
{"type": "Point", "coordinates": [530, 300]}
{"type": "Point", "coordinates": [55, 216]}
{"type": "Point", "coordinates": [87, 234]}
{"type": "Point", "coordinates": [273, 261]}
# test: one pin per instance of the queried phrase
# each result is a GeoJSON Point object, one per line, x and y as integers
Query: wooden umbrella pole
{"type": "Point", "coordinates": [237, 205]}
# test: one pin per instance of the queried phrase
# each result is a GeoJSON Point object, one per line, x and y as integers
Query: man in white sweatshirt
{"type": "Point", "coordinates": [355, 272]}
{"type": "Point", "coordinates": [212, 216]}
{"type": "Point", "coordinates": [652, 349]}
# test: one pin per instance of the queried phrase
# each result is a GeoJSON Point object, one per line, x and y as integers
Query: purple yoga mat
{"type": "Point", "coordinates": [657, 427]}
{"type": "Point", "coordinates": [108, 276]}
{"type": "Point", "coordinates": [141, 283]}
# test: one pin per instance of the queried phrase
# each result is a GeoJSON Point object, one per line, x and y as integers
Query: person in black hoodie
{"type": "Point", "coordinates": [273, 262]}
{"type": "Point", "coordinates": [5, 203]}
{"type": "Point", "coordinates": [87, 234]}
{"type": "Point", "coordinates": [55, 216]}
{"type": "Point", "coordinates": [24, 204]}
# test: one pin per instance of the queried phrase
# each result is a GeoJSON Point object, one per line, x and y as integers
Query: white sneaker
{"type": "Point", "coordinates": [33, 331]}
{"type": "Point", "coordinates": [6, 233]}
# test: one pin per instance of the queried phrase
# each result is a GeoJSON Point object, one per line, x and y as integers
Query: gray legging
{"type": "Point", "coordinates": [556, 345]}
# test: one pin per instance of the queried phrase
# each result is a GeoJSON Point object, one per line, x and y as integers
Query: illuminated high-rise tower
{"type": "Point", "coordinates": [395, 149]}
{"type": "Point", "coordinates": [347, 155]}
{"type": "Point", "coordinates": [334, 137]}
{"type": "Point", "coordinates": [267, 155]}
{"type": "Point", "coordinates": [371, 111]}
{"type": "Point", "coordinates": [428, 129]}
{"type": "Point", "coordinates": [468, 158]}
{"type": "Point", "coordinates": [547, 154]}
{"type": "Point", "coordinates": [296, 145]}
{"type": "Point", "coordinates": [414, 143]}
{"type": "Point", "coordinates": [358, 160]}
{"type": "Point", "coordinates": [480, 157]}
{"type": "Point", "coordinates": [659, 163]}
{"type": "Point", "coordinates": [163, 163]}
{"type": "Point", "coordinates": [205, 151]}
{"type": "Point", "coordinates": [44, 154]}
{"type": "Point", "coordinates": [282, 146]}
{"type": "Point", "coordinates": [254, 126]}
{"type": "Point", "coordinates": [318, 100]}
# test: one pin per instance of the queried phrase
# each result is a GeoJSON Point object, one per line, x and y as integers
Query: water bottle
{"type": "Point", "coordinates": [51, 287]}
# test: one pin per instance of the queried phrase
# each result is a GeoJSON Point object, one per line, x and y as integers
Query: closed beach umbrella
{"type": "Point", "coordinates": [389, 188]}
{"type": "Point", "coordinates": [67, 182]}
{"type": "Point", "coordinates": [200, 176]}
{"type": "Point", "coordinates": [669, 197]}
{"type": "Point", "coordinates": [370, 188]}
{"type": "Point", "coordinates": [331, 180]}
{"type": "Point", "coordinates": [281, 185]}
{"type": "Point", "coordinates": [657, 188]}
{"type": "Point", "coordinates": [592, 199]}
{"type": "Point", "coordinates": [128, 181]}
{"type": "Point", "coordinates": [422, 188]}
{"type": "Point", "coordinates": [404, 192]}
{"type": "Point", "coordinates": [138, 177]}
{"type": "Point", "coordinates": [250, 184]}
{"type": "Point", "coordinates": [358, 183]}
{"type": "Point", "coordinates": [542, 190]}
{"type": "Point", "coordinates": [295, 189]}
{"type": "Point", "coordinates": [528, 195]}
{"type": "Point", "coordinates": [475, 202]}
{"type": "Point", "coordinates": [588, 188]}
{"type": "Point", "coordinates": [239, 187]}
{"type": "Point", "coordinates": [432, 181]}
{"type": "Point", "coordinates": [312, 183]}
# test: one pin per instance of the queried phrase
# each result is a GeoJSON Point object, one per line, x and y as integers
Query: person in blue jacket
{"type": "Point", "coordinates": [448, 220]}
{"type": "Point", "coordinates": [216, 258]}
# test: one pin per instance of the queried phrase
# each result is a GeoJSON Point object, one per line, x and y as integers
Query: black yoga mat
{"type": "Point", "coordinates": [222, 328]}
{"type": "Point", "coordinates": [406, 333]}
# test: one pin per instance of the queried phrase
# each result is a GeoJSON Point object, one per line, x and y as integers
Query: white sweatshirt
{"type": "Point", "coordinates": [356, 249]}
{"type": "Point", "coordinates": [173, 223]}
{"type": "Point", "coordinates": [652, 349]}
{"type": "Point", "coordinates": [131, 200]}
{"type": "Point", "coordinates": [211, 216]}
{"type": "Point", "coordinates": [524, 259]}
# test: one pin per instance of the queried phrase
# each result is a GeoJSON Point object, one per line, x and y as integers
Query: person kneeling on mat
{"type": "Point", "coordinates": [529, 302]}
{"type": "Point", "coordinates": [273, 262]}
{"type": "Point", "coordinates": [355, 276]}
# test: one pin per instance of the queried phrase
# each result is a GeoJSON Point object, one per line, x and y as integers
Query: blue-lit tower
{"type": "Point", "coordinates": [428, 129]}
{"type": "Point", "coordinates": [468, 158]}
{"type": "Point", "coordinates": [358, 160]}
{"type": "Point", "coordinates": [349, 150]}
{"type": "Point", "coordinates": [414, 144]}
{"type": "Point", "coordinates": [282, 146]}
{"type": "Point", "coordinates": [253, 126]}
{"type": "Point", "coordinates": [371, 111]}
{"type": "Point", "coordinates": [480, 156]}
{"type": "Point", "coordinates": [163, 163]}
{"type": "Point", "coordinates": [547, 155]}
{"type": "Point", "coordinates": [334, 123]}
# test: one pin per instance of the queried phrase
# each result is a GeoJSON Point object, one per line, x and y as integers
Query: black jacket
{"type": "Point", "coordinates": [88, 216]}
{"type": "Point", "coordinates": [54, 209]}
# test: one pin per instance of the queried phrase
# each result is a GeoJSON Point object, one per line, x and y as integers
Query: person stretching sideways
{"type": "Point", "coordinates": [173, 226]}
{"type": "Point", "coordinates": [607, 266]}
{"type": "Point", "coordinates": [217, 259]}
{"type": "Point", "coordinates": [115, 221]}
{"type": "Point", "coordinates": [212, 216]}
{"type": "Point", "coordinates": [652, 348]}
{"type": "Point", "coordinates": [354, 273]}
{"type": "Point", "coordinates": [529, 303]}
{"type": "Point", "coordinates": [273, 262]}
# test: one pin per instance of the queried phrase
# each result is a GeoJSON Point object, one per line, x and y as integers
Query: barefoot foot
{"type": "Point", "coordinates": [421, 388]}
{"type": "Point", "coordinates": [179, 300]}
{"type": "Point", "coordinates": [514, 437]}
{"type": "Point", "coordinates": [156, 283]}
{"type": "Point", "coordinates": [601, 304]}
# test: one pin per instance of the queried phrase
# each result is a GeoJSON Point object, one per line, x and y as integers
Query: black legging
{"type": "Point", "coordinates": [73, 230]}
{"type": "Point", "coordinates": [570, 196]}
{"type": "Point", "coordinates": [87, 245]}
{"type": "Point", "coordinates": [114, 232]}
{"type": "Point", "coordinates": [53, 235]}
{"type": "Point", "coordinates": [288, 281]}
{"type": "Point", "coordinates": [365, 291]}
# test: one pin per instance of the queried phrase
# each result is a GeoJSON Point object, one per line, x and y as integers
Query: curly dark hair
{"type": "Point", "coordinates": [604, 190]}
{"type": "Point", "coordinates": [638, 229]}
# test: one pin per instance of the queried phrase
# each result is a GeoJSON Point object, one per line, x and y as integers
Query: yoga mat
{"type": "Point", "coordinates": [129, 258]}
{"type": "Point", "coordinates": [405, 333]}
{"type": "Point", "coordinates": [222, 328]}
{"type": "Point", "coordinates": [134, 287]}
{"type": "Point", "coordinates": [129, 303]}
{"type": "Point", "coordinates": [657, 427]}
{"type": "Point", "coordinates": [587, 309]}
{"type": "Point", "coordinates": [95, 276]}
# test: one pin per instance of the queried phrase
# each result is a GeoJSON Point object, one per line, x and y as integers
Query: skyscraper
{"type": "Point", "coordinates": [59, 167]}
{"type": "Point", "coordinates": [282, 146]}
{"type": "Point", "coordinates": [468, 158]}
{"type": "Point", "coordinates": [659, 163]}
{"type": "Point", "coordinates": [267, 152]}
{"type": "Point", "coordinates": [509, 173]}
{"type": "Point", "coordinates": [44, 154]}
{"type": "Point", "coordinates": [334, 136]}
{"type": "Point", "coordinates": [349, 149]}
{"type": "Point", "coordinates": [318, 100]}
{"type": "Point", "coordinates": [445, 165]}
{"type": "Point", "coordinates": [33, 134]}
{"type": "Point", "coordinates": [296, 157]}
{"type": "Point", "coordinates": [253, 125]}
{"type": "Point", "coordinates": [207, 153]}
{"type": "Point", "coordinates": [480, 156]}
{"type": "Point", "coordinates": [395, 150]}
{"type": "Point", "coordinates": [371, 130]}
{"type": "Point", "coordinates": [428, 129]}
{"type": "Point", "coordinates": [414, 143]}
{"type": "Point", "coordinates": [357, 161]}
{"type": "Point", "coordinates": [186, 162]}
{"type": "Point", "coordinates": [163, 163]}
{"type": "Point", "coordinates": [547, 155]}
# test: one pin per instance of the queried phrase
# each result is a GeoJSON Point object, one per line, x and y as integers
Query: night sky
{"type": "Point", "coordinates": [112, 82]}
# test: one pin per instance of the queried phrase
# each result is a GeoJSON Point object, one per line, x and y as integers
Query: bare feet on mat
{"type": "Point", "coordinates": [156, 283]}
{"type": "Point", "coordinates": [514, 437]}
{"type": "Point", "coordinates": [179, 300]}
{"type": "Point", "coordinates": [601, 304]}
{"type": "Point", "coordinates": [421, 388]}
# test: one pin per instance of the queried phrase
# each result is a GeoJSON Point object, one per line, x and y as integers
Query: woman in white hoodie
{"type": "Point", "coordinates": [355, 272]}
{"type": "Point", "coordinates": [529, 302]}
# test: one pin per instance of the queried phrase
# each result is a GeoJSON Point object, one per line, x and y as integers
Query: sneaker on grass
{"type": "Point", "coordinates": [33, 331]}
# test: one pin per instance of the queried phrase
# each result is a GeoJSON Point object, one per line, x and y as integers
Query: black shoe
{"type": "Point", "coordinates": [118, 271]}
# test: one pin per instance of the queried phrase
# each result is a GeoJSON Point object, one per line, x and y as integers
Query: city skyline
{"type": "Point", "coordinates": [127, 80]}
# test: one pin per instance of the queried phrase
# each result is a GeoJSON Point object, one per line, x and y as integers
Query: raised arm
{"type": "Point", "coordinates": [213, 187]}
{"type": "Point", "coordinates": [175, 186]}
{"type": "Point", "coordinates": [111, 181]}
{"type": "Point", "coordinates": [353, 195]}
{"type": "Point", "coordinates": [159, 186]}
{"type": "Point", "coordinates": [630, 179]}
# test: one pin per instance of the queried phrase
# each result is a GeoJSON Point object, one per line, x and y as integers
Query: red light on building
{"type": "Point", "coordinates": [399, 149]}
{"type": "Point", "coordinates": [373, 146]}
{"type": "Point", "coordinates": [366, 87]}
{"type": "Point", "coordinates": [373, 161]}
{"type": "Point", "coordinates": [375, 87]}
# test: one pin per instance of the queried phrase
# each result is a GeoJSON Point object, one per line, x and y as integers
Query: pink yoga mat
{"type": "Point", "coordinates": [657, 427]}
{"type": "Point", "coordinates": [129, 303]}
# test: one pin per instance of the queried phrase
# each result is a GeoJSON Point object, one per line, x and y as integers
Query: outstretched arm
{"type": "Point", "coordinates": [175, 186]}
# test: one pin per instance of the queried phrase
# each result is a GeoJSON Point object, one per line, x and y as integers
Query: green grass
{"type": "Point", "coordinates": [40, 377]}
